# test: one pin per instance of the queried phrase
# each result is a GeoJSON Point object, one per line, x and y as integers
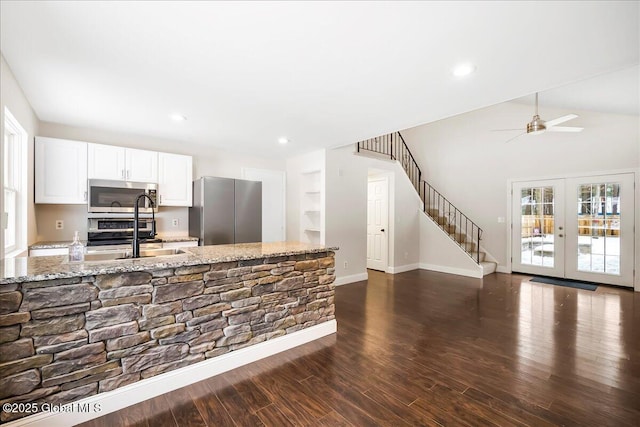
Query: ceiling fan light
{"type": "Point", "coordinates": [536, 126]}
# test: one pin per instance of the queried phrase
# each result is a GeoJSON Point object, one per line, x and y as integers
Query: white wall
{"type": "Point", "coordinates": [346, 212]}
{"type": "Point", "coordinates": [207, 162]}
{"type": "Point", "coordinates": [439, 253]}
{"type": "Point", "coordinates": [75, 218]}
{"type": "Point", "coordinates": [12, 97]}
{"type": "Point", "coordinates": [471, 165]}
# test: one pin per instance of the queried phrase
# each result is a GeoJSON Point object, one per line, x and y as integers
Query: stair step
{"type": "Point", "coordinates": [441, 220]}
{"type": "Point", "coordinates": [469, 246]}
{"type": "Point", "coordinates": [474, 255]}
{"type": "Point", "coordinates": [449, 228]}
{"type": "Point", "coordinates": [459, 237]}
{"type": "Point", "coordinates": [488, 267]}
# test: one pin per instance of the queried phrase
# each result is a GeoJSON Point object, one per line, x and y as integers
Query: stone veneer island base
{"type": "Point", "coordinates": [95, 327]}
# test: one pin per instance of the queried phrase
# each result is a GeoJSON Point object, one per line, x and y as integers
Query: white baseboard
{"type": "Point", "coordinates": [151, 387]}
{"type": "Point", "coordinates": [403, 268]}
{"type": "Point", "coordinates": [452, 270]}
{"type": "Point", "coordinates": [350, 279]}
{"type": "Point", "coordinates": [502, 269]}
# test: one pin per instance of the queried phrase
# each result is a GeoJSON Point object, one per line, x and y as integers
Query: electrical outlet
{"type": "Point", "coordinates": [175, 222]}
{"type": "Point", "coordinates": [59, 224]}
{"type": "Point", "coordinates": [346, 264]}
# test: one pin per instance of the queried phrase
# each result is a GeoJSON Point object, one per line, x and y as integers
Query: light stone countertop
{"type": "Point", "coordinates": [65, 243]}
{"type": "Point", "coordinates": [31, 269]}
{"type": "Point", "coordinates": [53, 244]}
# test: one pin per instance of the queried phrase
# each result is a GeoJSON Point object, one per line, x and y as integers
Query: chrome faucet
{"type": "Point", "coordinates": [136, 219]}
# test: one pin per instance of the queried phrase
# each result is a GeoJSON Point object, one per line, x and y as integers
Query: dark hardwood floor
{"type": "Point", "coordinates": [425, 348]}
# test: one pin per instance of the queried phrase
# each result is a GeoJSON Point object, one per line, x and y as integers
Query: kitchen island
{"type": "Point", "coordinates": [72, 330]}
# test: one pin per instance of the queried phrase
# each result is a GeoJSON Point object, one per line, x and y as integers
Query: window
{"type": "Point", "coordinates": [14, 182]}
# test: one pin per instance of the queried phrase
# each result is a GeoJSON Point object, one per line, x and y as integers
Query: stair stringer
{"type": "Point", "coordinates": [438, 252]}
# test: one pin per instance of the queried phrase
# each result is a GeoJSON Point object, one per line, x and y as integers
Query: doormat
{"type": "Point", "coordinates": [565, 282]}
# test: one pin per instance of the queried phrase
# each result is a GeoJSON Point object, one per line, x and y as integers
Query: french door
{"type": "Point", "coordinates": [577, 228]}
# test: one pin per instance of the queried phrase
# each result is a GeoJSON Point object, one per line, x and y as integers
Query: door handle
{"type": "Point", "coordinates": [382, 229]}
{"type": "Point", "coordinates": [559, 228]}
{"type": "Point", "coordinates": [559, 235]}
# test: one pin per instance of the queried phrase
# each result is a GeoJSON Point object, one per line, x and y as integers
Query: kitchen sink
{"type": "Point", "coordinates": [126, 254]}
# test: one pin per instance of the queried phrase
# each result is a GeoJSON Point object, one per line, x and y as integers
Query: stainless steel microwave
{"type": "Point", "coordinates": [110, 196]}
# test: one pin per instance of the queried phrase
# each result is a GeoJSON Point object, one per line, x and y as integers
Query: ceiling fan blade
{"type": "Point", "coordinates": [517, 136]}
{"type": "Point", "coordinates": [565, 129]}
{"type": "Point", "coordinates": [559, 120]}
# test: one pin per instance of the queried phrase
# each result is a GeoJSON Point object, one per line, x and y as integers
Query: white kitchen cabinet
{"type": "Point", "coordinates": [120, 163]}
{"type": "Point", "coordinates": [60, 171]}
{"type": "Point", "coordinates": [105, 162]}
{"type": "Point", "coordinates": [175, 245]}
{"type": "Point", "coordinates": [175, 176]}
{"type": "Point", "coordinates": [141, 165]}
{"type": "Point", "coordinates": [48, 252]}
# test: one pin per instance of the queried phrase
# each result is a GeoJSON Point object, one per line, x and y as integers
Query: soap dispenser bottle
{"type": "Point", "coordinates": [76, 249]}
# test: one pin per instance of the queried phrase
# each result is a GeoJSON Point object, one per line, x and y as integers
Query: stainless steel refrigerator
{"type": "Point", "coordinates": [226, 211]}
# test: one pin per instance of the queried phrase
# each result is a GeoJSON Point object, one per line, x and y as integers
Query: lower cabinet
{"type": "Point", "coordinates": [174, 245]}
{"type": "Point", "coordinates": [48, 251]}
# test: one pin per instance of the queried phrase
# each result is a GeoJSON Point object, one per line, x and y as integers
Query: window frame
{"type": "Point", "coordinates": [14, 154]}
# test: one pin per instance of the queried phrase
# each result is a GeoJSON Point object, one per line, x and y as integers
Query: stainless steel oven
{"type": "Point", "coordinates": [118, 231]}
{"type": "Point", "coordinates": [109, 196]}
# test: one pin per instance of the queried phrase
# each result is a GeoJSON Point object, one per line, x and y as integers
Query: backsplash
{"type": "Point", "coordinates": [75, 218]}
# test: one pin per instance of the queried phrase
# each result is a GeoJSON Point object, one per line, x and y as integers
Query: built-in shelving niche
{"type": "Point", "coordinates": [311, 221]}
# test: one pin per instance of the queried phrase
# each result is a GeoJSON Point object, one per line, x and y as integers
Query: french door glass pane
{"type": "Point", "coordinates": [537, 228]}
{"type": "Point", "coordinates": [599, 228]}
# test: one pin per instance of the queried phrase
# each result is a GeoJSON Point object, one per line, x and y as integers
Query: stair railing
{"type": "Point", "coordinates": [436, 206]}
{"type": "Point", "coordinates": [462, 225]}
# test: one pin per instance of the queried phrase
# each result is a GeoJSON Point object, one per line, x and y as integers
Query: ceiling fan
{"type": "Point", "coordinates": [537, 126]}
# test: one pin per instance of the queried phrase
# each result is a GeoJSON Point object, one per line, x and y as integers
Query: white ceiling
{"type": "Point", "coordinates": [617, 92]}
{"type": "Point", "coordinates": [321, 73]}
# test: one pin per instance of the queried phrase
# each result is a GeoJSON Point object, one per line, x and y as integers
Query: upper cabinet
{"type": "Point", "coordinates": [60, 171]}
{"type": "Point", "coordinates": [62, 168]}
{"type": "Point", "coordinates": [175, 173]}
{"type": "Point", "coordinates": [142, 165]}
{"type": "Point", "coordinates": [120, 163]}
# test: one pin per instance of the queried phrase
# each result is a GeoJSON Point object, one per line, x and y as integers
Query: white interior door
{"type": "Point", "coordinates": [377, 223]}
{"type": "Point", "coordinates": [538, 227]}
{"type": "Point", "coordinates": [577, 228]}
{"type": "Point", "coordinates": [273, 202]}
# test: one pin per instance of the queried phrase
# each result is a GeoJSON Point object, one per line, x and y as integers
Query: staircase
{"type": "Point", "coordinates": [462, 230]}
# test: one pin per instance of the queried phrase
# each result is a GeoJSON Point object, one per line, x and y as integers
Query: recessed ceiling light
{"type": "Point", "coordinates": [178, 117]}
{"type": "Point", "coordinates": [283, 140]}
{"type": "Point", "coordinates": [462, 70]}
